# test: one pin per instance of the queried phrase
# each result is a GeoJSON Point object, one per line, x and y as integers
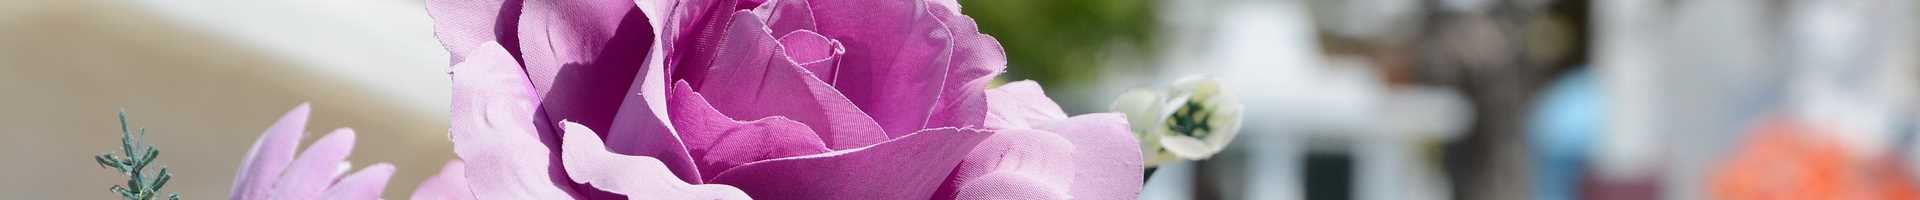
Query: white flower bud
{"type": "Point", "coordinates": [1192, 121]}
{"type": "Point", "coordinates": [1206, 120]}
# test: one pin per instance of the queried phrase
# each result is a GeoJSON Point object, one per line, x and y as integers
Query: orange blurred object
{"type": "Point", "coordinates": [1787, 160]}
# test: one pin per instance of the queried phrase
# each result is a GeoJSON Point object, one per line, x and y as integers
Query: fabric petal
{"type": "Point", "coordinates": [761, 82]}
{"type": "Point", "coordinates": [1032, 162]}
{"type": "Point", "coordinates": [270, 155]}
{"type": "Point", "coordinates": [640, 125]}
{"type": "Point", "coordinates": [1142, 109]}
{"type": "Point", "coordinates": [896, 61]}
{"type": "Point", "coordinates": [720, 143]}
{"type": "Point", "coordinates": [1020, 104]}
{"type": "Point", "coordinates": [909, 167]}
{"type": "Point", "coordinates": [493, 129]}
{"type": "Point", "coordinates": [366, 184]}
{"type": "Point", "coordinates": [1009, 186]}
{"type": "Point", "coordinates": [1186, 147]}
{"type": "Point", "coordinates": [315, 169]}
{"type": "Point", "coordinates": [696, 32]}
{"type": "Point", "coordinates": [649, 137]}
{"type": "Point", "coordinates": [814, 52]}
{"type": "Point", "coordinates": [977, 59]}
{"type": "Point", "coordinates": [641, 129]}
{"type": "Point", "coordinates": [786, 16]}
{"type": "Point", "coordinates": [462, 25]}
{"type": "Point", "coordinates": [582, 57]}
{"type": "Point", "coordinates": [587, 161]}
{"type": "Point", "coordinates": [1106, 157]}
{"type": "Point", "coordinates": [450, 184]}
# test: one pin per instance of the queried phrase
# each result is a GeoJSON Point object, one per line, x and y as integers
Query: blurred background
{"type": "Point", "coordinates": [1346, 99]}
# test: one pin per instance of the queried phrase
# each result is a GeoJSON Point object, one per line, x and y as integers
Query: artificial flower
{"type": "Point", "coordinates": [271, 171]}
{"type": "Point", "coordinates": [1193, 120]}
{"type": "Point", "coordinates": [790, 99]}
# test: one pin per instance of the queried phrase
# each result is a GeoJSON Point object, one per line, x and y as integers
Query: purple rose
{"type": "Point", "coordinates": [787, 99]}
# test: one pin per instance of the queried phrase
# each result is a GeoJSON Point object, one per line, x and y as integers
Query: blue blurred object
{"type": "Point", "coordinates": [1571, 113]}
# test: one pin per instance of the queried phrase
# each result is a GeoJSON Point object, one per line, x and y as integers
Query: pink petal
{"type": "Point", "coordinates": [316, 167]}
{"type": "Point", "coordinates": [493, 130]}
{"type": "Point", "coordinates": [977, 59]}
{"type": "Point", "coordinates": [641, 132]}
{"type": "Point", "coordinates": [461, 25]}
{"type": "Point", "coordinates": [694, 37]}
{"type": "Point", "coordinates": [366, 184]}
{"type": "Point", "coordinates": [761, 82]}
{"type": "Point", "coordinates": [582, 57]}
{"type": "Point", "coordinates": [1014, 161]}
{"type": "Point", "coordinates": [450, 184]}
{"type": "Point", "coordinates": [638, 177]}
{"type": "Point", "coordinates": [1009, 186]}
{"type": "Point", "coordinates": [720, 143]}
{"type": "Point", "coordinates": [270, 155]}
{"type": "Point", "coordinates": [909, 167]}
{"type": "Point", "coordinates": [1106, 157]}
{"type": "Point", "coordinates": [786, 16]}
{"type": "Point", "coordinates": [1020, 104]}
{"type": "Point", "coordinates": [640, 127]}
{"type": "Point", "coordinates": [896, 61]}
{"type": "Point", "coordinates": [813, 52]}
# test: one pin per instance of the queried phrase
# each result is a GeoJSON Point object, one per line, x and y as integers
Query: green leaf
{"type": "Point", "coordinates": [140, 185]}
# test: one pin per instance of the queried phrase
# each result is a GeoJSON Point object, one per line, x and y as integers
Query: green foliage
{"type": "Point", "coordinates": [1062, 41]}
{"type": "Point", "coordinates": [141, 184]}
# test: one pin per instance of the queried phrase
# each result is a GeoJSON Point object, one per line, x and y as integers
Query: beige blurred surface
{"type": "Point", "coordinates": [66, 66]}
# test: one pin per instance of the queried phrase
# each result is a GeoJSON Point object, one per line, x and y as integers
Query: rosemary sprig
{"type": "Point", "coordinates": [140, 184]}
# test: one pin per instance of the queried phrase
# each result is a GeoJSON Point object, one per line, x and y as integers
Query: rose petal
{"type": "Point", "coordinates": [366, 184]}
{"type": "Point", "coordinates": [450, 184]}
{"type": "Point", "coordinates": [813, 52]}
{"type": "Point", "coordinates": [640, 126]}
{"type": "Point", "coordinates": [1106, 157]}
{"type": "Point", "coordinates": [896, 61]}
{"type": "Point", "coordinates": [1009, 186]}
{"type": "Point", "coordinates": [582, 57]}
{"type": "Point", "coordinates": [270, 155]}
{"type": "Point", "coordinates": [588, 162]}
{"type": "Point", "coordinates": [720, 143]}
{"type": "Point", "coordinates": [977, 59]}
{"type": "Point", "coordinates": [461, 25]}
{"type": "Point", "coordinates": [1020, 104]}
{"type": "Point", "coordinates": [641, 132]}
{"type": "Point", "coordinates": [310, 173]}
{"type": "Point", "coordinates": [909, 167]}
{"type": "Point", "coordinates": [694, 37]}
{"type": "Point", "coordinates": [786, 16]}
{"type": "Point", "coordinates": [1036, 161]}
{"type": "Point", "coordinates": [761, 82]}
{"type": "Point", "coordinates": [493, 129]}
